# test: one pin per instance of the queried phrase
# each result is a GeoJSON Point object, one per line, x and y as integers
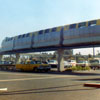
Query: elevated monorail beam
{"type": "Point", "coordinates": [49, 49]}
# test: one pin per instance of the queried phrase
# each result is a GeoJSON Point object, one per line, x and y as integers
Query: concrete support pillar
{"type": "Point", "coordinates": [60, 60]}
{"type": "Point", "coordinates": [1, 57]}
{"type": "Point", "coordinates": [17, 60]}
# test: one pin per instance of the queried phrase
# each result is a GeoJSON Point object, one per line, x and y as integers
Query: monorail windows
{"type": "Point", "coordinates": [40, 32]}
{"type": "Point", "coordinates": [23, 35]}
{"type": "Point", "coordinates": [72, 26]}
{"type": "Point", "coordinates": [27, 35]}
{"type": "Point", "coordinates": [47, 31]}
{"type": "Point", "coordinates": [9, 39]}
{"type": "Point", "coordinates": [53, 30]}
{"type": "Point", "coordinates": [19, 36]}
{"type": "Point", "coordinates": [81, 25]}
{"type": "Point", "coordinates": [92, 23]}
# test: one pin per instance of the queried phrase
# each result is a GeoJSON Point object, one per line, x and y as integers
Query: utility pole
{"type": "Point", "coordinates": [93, 52]}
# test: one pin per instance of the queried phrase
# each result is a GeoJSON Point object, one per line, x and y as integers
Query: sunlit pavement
{"type": "Point", "coordinates": [49, 86]}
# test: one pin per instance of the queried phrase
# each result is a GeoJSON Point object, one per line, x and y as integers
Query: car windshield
{"type": "Point", "coordinates": [38, 62]}
{"type": "Point", "coordinates": [81, 61]}
{"type": "Point", "coordinates": [94, 61]}
{"type": "Point", "coordinates": [32, 62]}
{"type": "Point", "coordinates": [52, 61]}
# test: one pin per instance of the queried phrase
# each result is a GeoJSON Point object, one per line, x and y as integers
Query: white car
{"type": "Point", "coordinates": [67, 64]}
{"type": "Point", "coordinates": [72, 62]}
{"type": "Point", "coordinates": [53, 62]}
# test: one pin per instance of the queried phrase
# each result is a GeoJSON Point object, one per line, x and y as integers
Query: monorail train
{"type": "Point", "coordinates": [68, 35]}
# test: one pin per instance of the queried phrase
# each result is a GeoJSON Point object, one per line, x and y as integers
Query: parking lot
{"type": "Point", "coordinates": [49, 86]}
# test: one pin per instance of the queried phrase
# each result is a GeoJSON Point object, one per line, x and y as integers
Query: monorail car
{"type": "Point", "coordinates": [46, 38]}
{"type": "Point", "coordinates": [85, 32]}
{"type": "Point", "coordinates": [23, 41]}
{"type": "Point", "coordinates": [68, 35]}
{"type": "Point", "coordinates": [7, 44]}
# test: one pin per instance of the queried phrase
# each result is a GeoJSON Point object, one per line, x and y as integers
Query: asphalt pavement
{"type": "Point", "coordinates": [49, 86]}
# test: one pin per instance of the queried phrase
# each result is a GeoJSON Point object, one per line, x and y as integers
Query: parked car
{"type": "Point", "coordinates": [72, 62]}
{"type": "Point", "coordinates": [67, 64]}
{"type": "Point", "coordinates": [33, 66]}
{"type": "Point", "coordinates": [94, 63]}
{"type": "Point", "coordinates": [82, 63]}
{"type": "Point", "coordinates": [52, 62]}
{"type": "Point", "coordinates": [4, 62]}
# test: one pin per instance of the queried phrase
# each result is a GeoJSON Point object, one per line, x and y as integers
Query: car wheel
{"type": "Point", "coordinates": [35, 69]}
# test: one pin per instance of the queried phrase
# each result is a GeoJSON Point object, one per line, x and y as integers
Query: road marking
{"type": "Point", "coordinates": [25, 74]}
{"type": "Point", "coordinates": [24, 79]}
{"type": "Point", "coordinates": [38, 74]}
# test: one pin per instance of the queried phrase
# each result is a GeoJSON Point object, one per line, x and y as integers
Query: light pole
{"type": "Point", "coordinates": [93, 52]}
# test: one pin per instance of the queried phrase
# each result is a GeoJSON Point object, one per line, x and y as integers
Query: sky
{"type": "Point", "coordinates": [23, 16]}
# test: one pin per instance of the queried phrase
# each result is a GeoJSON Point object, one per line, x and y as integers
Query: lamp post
{"type": "Point", "coordinates": [93, 52]}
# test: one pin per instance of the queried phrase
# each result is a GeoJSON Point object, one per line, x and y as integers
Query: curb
{"type": "Point", "coordinates": [3, 89]}
{"type": "Point", "coordinates": [97, 85]}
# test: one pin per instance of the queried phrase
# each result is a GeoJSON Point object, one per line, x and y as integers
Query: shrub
{"type": "Point", "coordinates": [87, 68]}
{"type": "Point", "coordinates": [78, 68]}
{"type": "Point", "coordinates": [73, 68]}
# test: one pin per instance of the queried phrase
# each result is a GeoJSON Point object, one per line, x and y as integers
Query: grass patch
{"type": "Point", "coordinates": [78, 68]}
